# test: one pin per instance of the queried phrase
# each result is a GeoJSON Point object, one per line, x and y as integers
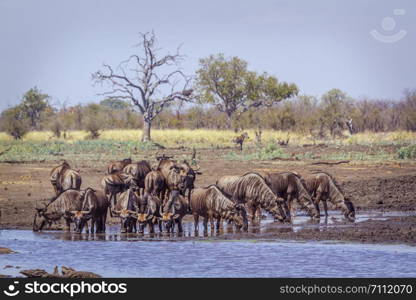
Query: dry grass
{"type": "Point", "coordinates": [204, 138]}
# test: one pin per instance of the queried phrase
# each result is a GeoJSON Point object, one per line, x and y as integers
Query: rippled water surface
{"type": "Point", "coordinates": [116, 255]}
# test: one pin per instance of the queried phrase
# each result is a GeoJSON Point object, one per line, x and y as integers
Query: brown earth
{"type": "Point", "coordinates": [387, 186]}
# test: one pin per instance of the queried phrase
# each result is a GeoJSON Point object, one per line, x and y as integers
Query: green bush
{"type": "Point", "coordinates": [408, 152]}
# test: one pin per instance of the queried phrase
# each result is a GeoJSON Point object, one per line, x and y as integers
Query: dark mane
{"type": "Point", "coordinates": [338, 186]}
{"type": "Point", "coordinates": [290, 172]}
{"type": "Point", "coordinates": [218, 188]}
{"type": "Point", "coordinates": [251, 173]}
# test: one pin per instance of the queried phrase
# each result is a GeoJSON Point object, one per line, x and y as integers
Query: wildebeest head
{"type": "Point", "coordinates": [350, 212]}
{"type": "Point", "coordinates": [170, 211]}
{"type": "Point", "coordinates": [177, 177]}
{"type": "Point", "coordinates": [238, 215]}
{"type": "Point", "coordinates": [275, 208]}
{"type": "Point", "coordinates": [40, 219]}
{"type": "Point", "coordinates": [127, 218]}
{"type": "Point", "coordinates": [80, 218]}
{"type": "Point", "coordinates": [145, 212]}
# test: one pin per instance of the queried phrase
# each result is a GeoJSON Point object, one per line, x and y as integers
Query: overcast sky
{"type": "Point", "coordinates": [319, 45]}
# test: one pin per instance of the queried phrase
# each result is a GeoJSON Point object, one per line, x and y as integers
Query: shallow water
{"type": "Point", "coordinates": [127, 255]}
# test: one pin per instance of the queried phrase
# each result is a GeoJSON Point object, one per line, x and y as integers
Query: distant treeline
{"type": "Point", "coordinates": [328, 115]}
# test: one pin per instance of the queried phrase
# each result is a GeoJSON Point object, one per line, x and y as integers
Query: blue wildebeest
{"type": "Point", "coordinates": [322, 186]}
{"type": "Point", "coordinates": [60, 207]}
{"type": "Point", "coordinates": [289, 186]}
{"type": "Point", "coordinates": [172, 212]}
{"type": "Point", "coordinates": [210, 203]}
{"type": "Point", "coordinates": [126, 210]}
{"type": "Point", "coordinates": [64, 178]}
{"type": "Point", "coordinates": [94, 207]}
{"type": "Point", "coordinates": [252, 189]}
{"type": "Point", "coordinates": [148, 213]}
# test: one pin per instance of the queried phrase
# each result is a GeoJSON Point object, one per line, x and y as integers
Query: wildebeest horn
{"type": "Point", "coordinates": [197, 168]}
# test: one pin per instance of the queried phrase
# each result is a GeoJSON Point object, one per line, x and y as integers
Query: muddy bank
{"type": "Point", "coordinates": [395, 230]}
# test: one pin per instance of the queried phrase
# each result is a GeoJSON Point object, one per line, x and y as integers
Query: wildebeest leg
{"type": "Point", "coordinates": [151, 227]}
{"type": "Point", "coordinates": [317, 200]}
{"type": "Point", "coordinates": [196, 222]}
{"type": "Point", "coordinates": [68, 225]}
{"type": "Point", "coordinates": [290, 207]}
{"type": "Point", "coordinates": [179, 221]}
{"type": "Point", "coordinates": [253, 212]}
{"type": "Point", "coordinates": [94, 224]}
{"type": "Point", "coordinates": [218, 225]}
{"type": "Point", "coordinates": [205, 224]}
{"type": "Point", "coordinates": [325, 207]}
{"type": "Point", "coordinates": [211, 220]}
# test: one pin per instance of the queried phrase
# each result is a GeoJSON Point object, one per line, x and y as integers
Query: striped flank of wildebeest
{"type": "Point", "coordinates": [252, 189]}
{"type": "Point", "coordinates": [61, 207]}
{"type": "Point", "coordinates": [322, 186]}
{"type": "Point", "coordinates": [289, 186]}
{"type": "Point", "coordinates": [116, 183]}
{"type": "Point", "coordinates": [211, 203]}
{"type": "Point", "coordinates": [139, 171]}
{"type": "Point", "coordinates": [64, 178]}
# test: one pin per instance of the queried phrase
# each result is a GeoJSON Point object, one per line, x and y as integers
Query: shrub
{"type": "Point", "coordinates": [408, 152]}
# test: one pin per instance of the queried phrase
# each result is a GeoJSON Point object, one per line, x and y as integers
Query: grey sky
{"type": "Point", "coordinates": [319, 45]}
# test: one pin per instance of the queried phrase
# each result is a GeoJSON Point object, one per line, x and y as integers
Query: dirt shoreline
{"type": "Point", "coordinates": [379, 187]}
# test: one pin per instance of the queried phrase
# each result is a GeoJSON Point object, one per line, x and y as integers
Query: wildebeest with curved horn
{"type": "Point", "coordinates": [322, 186]}
{"type": "Point", "coordinates": [118, 166]}
{"type": "Point", "coordinates": [94, 207]}
{"type": "Point", "coordinates": [139, 171]}
{"type": "Point", "coordinates": [252, 189]}
{"type": "Point", "coordinates": [61, 207]}
{"type": "Point", "coordinates": [126, 210]}
{"type": "Point", "coordinates": [148, 212]}
{"type": "Point", "coordinates": [172, 212]}
{"type": "Point", "coordinates": [211, 203]}
{"type": "Point", "coordinates": [116, 183]}
{"type": "Point", "coordinates": [289, 186]}
{"type": "Point", "coordinates": [64, 178]}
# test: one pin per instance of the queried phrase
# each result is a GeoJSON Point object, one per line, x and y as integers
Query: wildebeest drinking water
{"type": "Point", "coordinates": [126, 210]}
{"type": "Point", "coordinates": [64, 178]}
{"type": "Point", "coordinates": [210, 203]}
{"type": "Point", "coordinates": [61, 207]}
{"type": "Point", "coordinates": [94, 207]}
{"type": "Point", "coordinates": [172, 212]}
{"type": "Point", "coordinates": [252, 189]}
{"type": "Point", "coordinates": [290, 187]}
{"type": "Point", "coordinates": [322, 186]}
{"type": "Point", "coordinates": [148, 213]}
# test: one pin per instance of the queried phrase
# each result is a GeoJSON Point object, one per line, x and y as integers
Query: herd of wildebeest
{"type": "Point", "coordinates": [144, 196]}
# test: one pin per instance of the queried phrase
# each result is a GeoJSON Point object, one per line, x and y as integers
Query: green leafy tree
{"type": "Point", "coordinates": [335, 111]}
{"type": "Point", "coordinates": [14, 122]}
{"type": "Point", "coordinates": [227, 84]}
{"type": "Point", "coordinates": [34, 103]}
